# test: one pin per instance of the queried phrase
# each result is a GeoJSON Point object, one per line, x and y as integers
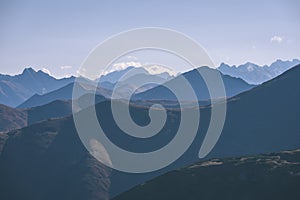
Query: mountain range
{"type": "Point", "coordinates": [16, 89]}
{"type": "Point", "coordinates": [255, 74]}
{"type": "Point", "coordinates": [34, 88]}
{"type": "Point", "coordinates": [149, 92]}
{"type": "Point", "coordinates": [35, 158]}
{"type": "Point", "coordinates": [28, 88]}
{"type": "Point", "coordinates": [115, 76]}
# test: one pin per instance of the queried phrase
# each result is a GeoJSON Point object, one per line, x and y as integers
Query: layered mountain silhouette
{"type": "Point", "coordinates": [148, 92]}
{"type": "Point", "coordinates": [115, 76]}
{"type": "Point", "coordinates": [64, 93]}
{"type": "Point", "coordinates": [34, 88]}
{"type": "Point", "coordinates": [271, 176]}
{"type": "Point", "coordinates": [255, 74]}
{"type": "Point", "coordinates": [261, 120]}
{"type": "Point", "coordinates": [16, 89]}
{"type": "Point", "coordinates": [137, 75]}
{"type": "Point", "coordinates": [13, 118]}
{"type": "Point", "coordinates": [233, 86]}
{"type": "Point", "coordinates": [28, 89]}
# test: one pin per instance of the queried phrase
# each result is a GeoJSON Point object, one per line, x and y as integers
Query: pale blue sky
{"type": "Point", "coordinates": [52, 34]}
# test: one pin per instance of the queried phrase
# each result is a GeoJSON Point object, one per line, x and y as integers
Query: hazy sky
{"type": "Point", "coordinates": [57, 35]}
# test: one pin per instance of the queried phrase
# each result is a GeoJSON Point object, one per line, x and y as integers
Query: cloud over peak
{"type": "Point", "coordinates": [276, 39]}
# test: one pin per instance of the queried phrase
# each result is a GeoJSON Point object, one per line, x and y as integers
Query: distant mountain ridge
{"type": "Point", "coordinates": [30, 87]}
{"type": "Point", "coordinates": [255, 74]}
{"type": "Point", "coordinates": [16, 89]}
{"type": "Point", "coordinates": [148, 92]}
{"type": "Point", "coordinates": [115, 76]}
{"type": "Point", "coordinates": [134, 77]}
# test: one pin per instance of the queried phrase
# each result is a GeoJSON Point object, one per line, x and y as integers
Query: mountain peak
{"type": "Point", "coordinates": [225, 65]}
{"type": "Point", "coordinates": [28, 70]}
{"type": "Point", "coordinates": [250, 63]}
{"type": "Point", "coordinates": [44, 73]}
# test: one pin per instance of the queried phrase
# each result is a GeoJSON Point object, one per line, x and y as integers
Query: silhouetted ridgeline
{"type": "Point", "coordinates": [47, 160]}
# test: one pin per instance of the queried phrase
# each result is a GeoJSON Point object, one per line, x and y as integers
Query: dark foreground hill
{"type": "Point", "coordinates": [44, 161]}
{"type": "Point", "coordinates": [262, 120]}
{"type": "Point", "coordinates": [272, 176]}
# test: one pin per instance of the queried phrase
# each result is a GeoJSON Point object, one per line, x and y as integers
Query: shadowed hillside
{"type": "Point", "coordinates": [273, 176]}
{"type": "Point", "coordinates": [11, 118]}
{"type": "Point", "coordinates": [48, 161]}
